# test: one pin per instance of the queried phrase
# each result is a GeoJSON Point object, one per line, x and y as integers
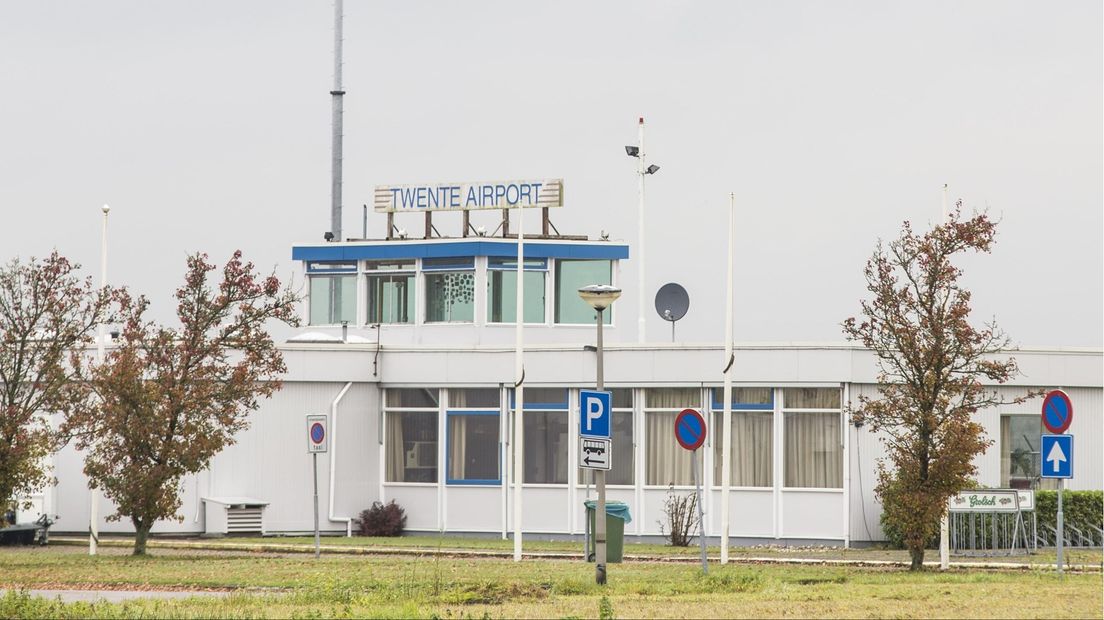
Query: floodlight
{"type": "Point", "coordinates": [632, 151]}
{"type": "Point", "coordinates": [329, 236]}
{"type": "Point", "coordinates": [651, 169]}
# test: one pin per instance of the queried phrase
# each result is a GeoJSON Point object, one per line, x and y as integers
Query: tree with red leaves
{"type": "Point", "coordinates": [931, 366]}
{"type": "Point", "coordinates": [168, 400]}
{"type": "Point", "coordinates": [47, 317]}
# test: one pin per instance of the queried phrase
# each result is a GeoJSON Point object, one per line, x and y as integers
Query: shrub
{"type": "Point", "coordinates": [382, 520]}
{"type": "Point", "coordinates": [1081, 509]}
{"type": "Point", "coordinates": [682, 518]}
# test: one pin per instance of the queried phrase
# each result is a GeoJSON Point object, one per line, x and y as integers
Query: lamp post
{"type": "Point", "coordinates": [600, 297]}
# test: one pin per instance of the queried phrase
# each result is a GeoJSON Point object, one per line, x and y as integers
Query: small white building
{"type": "Point", "coordinates": [408, 347]}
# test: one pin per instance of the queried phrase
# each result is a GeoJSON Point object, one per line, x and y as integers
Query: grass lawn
{"type": "Point", "coordinates": [467, 543]}
{"type": "Point", "coordinates": [271, 585]}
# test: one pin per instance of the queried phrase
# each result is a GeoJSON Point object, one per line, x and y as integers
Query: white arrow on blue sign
{"type": "Point", "coordinates": [1057, 455]}
{"type": "Point", "coordinates": [594, 413]}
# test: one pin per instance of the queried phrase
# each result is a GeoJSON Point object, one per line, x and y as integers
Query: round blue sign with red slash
{"type": "Point", "coordinates": [1057, 412]}
{"type": "Point", "coordinates": [317, 433]}
{"type": "Point", "coordinates": [690, 429]}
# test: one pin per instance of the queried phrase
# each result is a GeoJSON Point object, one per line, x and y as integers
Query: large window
{"type": "Point", "coordinates": [623, 465]}
{"type": "Point", "coordinates": [813, 435]}
{"type": "Point", "coordinates": [473, 436]}
{"type": "Point", "coordinates": [332, 298]}
{"type": "Point", "coordinates": [546, 436]}
{"type": "Point", "coordinates": [449, 290]}
{"type": "Point", "coordinates": [572, 275]}
{"type": "Point", "coordinates": [666, 462]}
{"type": "Point", "coordinates": [1020, 439]}
{"type": "Point", "coordinates": [752, 437]}
{"type": "Point", "coordinates": [502, 290]}
{"type": "Point", "coordinates": [390, 291]}
{"type": "Point", "coordinates": [411, 435]}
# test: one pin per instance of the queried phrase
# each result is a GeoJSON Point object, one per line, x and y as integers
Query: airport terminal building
{"type": "Point", "coordinates": [408, 347]}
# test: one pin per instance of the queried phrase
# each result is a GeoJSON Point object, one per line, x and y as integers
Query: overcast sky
{"type": "Point", "coordinates": [206, 126]}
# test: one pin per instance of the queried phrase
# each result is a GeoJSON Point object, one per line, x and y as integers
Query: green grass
{"type": "Point", "coordinates": [465, 543]}
{"type": "Point", "coordinates": [297, 585]}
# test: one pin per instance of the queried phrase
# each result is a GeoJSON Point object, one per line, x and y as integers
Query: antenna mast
{"type": "Point", "coordinates": [337, 93]}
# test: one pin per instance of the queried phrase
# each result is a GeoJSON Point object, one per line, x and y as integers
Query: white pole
{"type": "Point", "coordinates": [519, 388]}
{"type": "Point", "coordinates": [944, 536]}
{"type": "Point", "coordinates": [726, 438]}
{"type": "Point", "coordinates": [640, 296]}
{"type": "Point", "coordinates": [94, 501]}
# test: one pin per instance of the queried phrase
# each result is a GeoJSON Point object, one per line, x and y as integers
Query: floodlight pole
{"type": "Point", "coordinates": [600, 482]}
{"type": "Point", "coordinates": [94, 501]}
{"type": "Point", "coordinates": [726, 428]}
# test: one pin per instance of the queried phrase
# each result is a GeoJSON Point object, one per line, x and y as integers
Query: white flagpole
{"type": "Point", "coordinates": [94, 501]}
{"type": "Point", "coordinates": [726, 439]}
{"type": "Point", "coordinates": [519, 388]}
{"type": "Point", "coordinates": [640, 300]}
{"type": "Point", "coordinates": [944, 537]}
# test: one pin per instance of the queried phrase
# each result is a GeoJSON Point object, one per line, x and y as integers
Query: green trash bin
{"type": "Point", "coordinates": [617, 515]}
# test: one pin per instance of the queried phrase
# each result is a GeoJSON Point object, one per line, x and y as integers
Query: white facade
{"type": "Point", "coordinates": [829, 499]}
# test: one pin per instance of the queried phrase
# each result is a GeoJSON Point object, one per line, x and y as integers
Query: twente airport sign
{"type": "Point", "coordinates": [468, 196]}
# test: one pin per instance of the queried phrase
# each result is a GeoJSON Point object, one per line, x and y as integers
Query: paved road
{"type": "Point", "coordinates": [114, 596]}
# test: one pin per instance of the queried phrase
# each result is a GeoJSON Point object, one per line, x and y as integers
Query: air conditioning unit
{"type": "Point", "coordinates": [233, 515]}
{"type": "Point", "coordinates": [422, 454]}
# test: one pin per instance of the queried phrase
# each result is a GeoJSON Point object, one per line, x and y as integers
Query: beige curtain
{"type": "Point", "coordinates": [396, 451]}
{"type": "Point", "coordinates": [458, 426]}
{"type": "Point", "coordinates": [813, 453]}
{"type": "Point", "coordinates": [752, 448]}
{"type": "Point", "coordinates": [667, 462]}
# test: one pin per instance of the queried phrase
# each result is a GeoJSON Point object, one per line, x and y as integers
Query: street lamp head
{"type": "Point", "coordinates": [599, 296]}
{"type": "Point", "coordinates": [632, 151]}
{"type": "Point", "coordinates": [651, 169]}
{"type": "Point", "coordinates": [105, 209]}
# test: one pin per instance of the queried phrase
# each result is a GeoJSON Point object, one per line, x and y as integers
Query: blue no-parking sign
{"type": "Point", "coordinates": [594, 413]}
{"type": "Point", "coordinates": [1057, 456]}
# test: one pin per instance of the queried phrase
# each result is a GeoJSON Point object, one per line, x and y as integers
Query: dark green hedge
{"type": "Point", "coordinates": [1081, 509]}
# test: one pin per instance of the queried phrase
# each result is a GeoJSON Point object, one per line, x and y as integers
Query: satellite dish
{"type": "Point", "coordinates": [671, 303]}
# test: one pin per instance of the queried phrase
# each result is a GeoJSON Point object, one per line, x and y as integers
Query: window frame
{"type": "Point", "coordinates": [554, 297]}
{"type": "Point", "coordinates": [780, 442]}
{"type": "Point", "coordinates": [449, 480]}
{"type": "Point", "coordinates": [541, 265]}
{"type": "Point", "coordinates": [436, 413]}
{"type": "Point", "coordinates": [647, 410]}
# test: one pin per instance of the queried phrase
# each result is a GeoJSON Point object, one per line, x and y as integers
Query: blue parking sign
{"type": "Point", "coordinates": [1057, 456]}
{"type": "Point", "coordinates": [594, 413]}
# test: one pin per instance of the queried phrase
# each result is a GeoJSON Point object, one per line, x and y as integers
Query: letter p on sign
{"type": "Point", "coordinates": [594, 413]}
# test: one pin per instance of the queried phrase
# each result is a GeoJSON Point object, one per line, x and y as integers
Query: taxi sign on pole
{"type": "Point", "coordinates": [318, 437]}
{"type": "Point", "coordinates": [1057, 412]}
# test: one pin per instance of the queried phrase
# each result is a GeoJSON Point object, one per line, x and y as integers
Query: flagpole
{"type": "Point", "coordinates": [726, 438]}
{"type": "Point", "coordinates": [519, 388]}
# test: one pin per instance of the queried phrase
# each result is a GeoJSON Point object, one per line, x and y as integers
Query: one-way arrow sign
{"type": "Point", "coordinates": [1058, 459]}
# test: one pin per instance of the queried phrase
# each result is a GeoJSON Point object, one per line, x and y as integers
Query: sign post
{"type": "Point", "coordinates": [1057, 453]}
{"type": "Point", "coordinates": [318, 441]}
{"type": "Point", "coordinates": [595, 453]}
{"type": "Point", "coordinates": [690, 433]}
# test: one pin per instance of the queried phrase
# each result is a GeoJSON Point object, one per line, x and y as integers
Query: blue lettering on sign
{"type": "Point", "coordinates": [437, 197]}
{"type": "Point", "coordinates": [454, 197]}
